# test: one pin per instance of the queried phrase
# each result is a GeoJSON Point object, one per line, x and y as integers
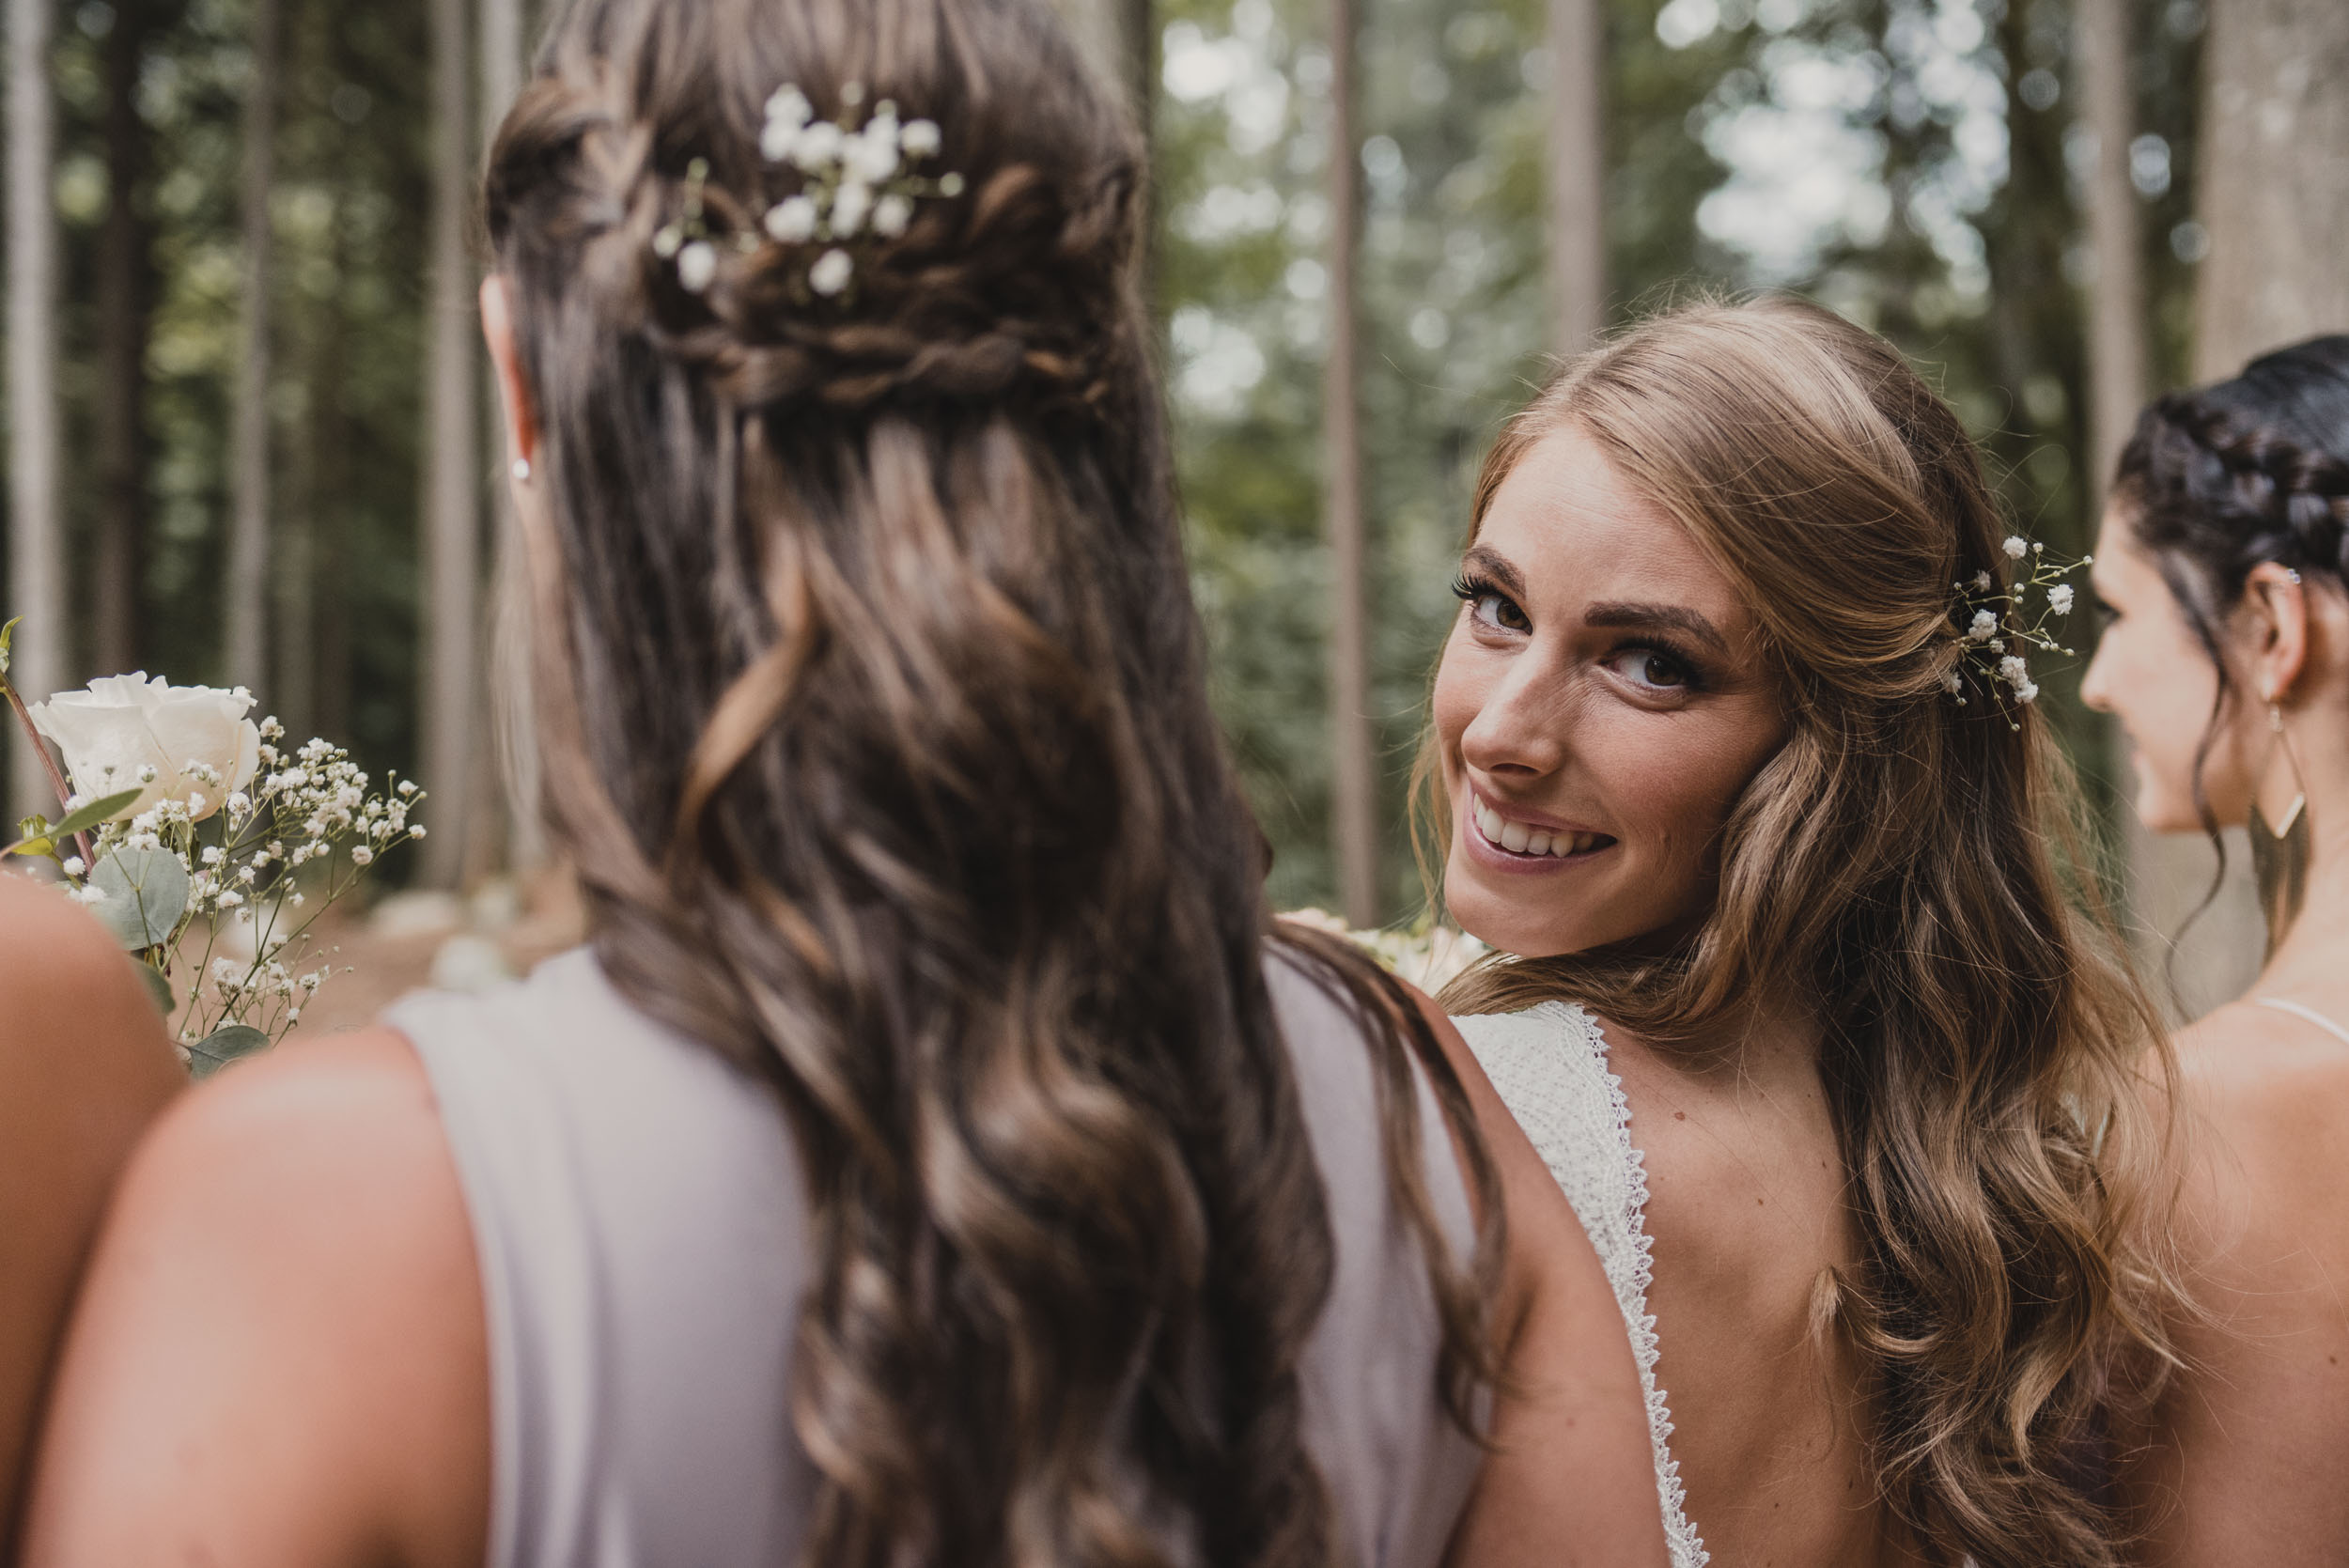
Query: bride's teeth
{"type": "Point", "coordinates": [1537, 844]}
{"type": "Point", "coordinates": [1515, 837]}
{"type": "Point", "coordinates": [1565, 844]}
{"type": "Point", "coordinates": [1488, 822]}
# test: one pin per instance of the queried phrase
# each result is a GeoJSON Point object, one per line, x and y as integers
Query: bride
{"type": "Point", "coordinates": [937, 1156]}
{"type": "Point", "coordinates": [1851, 1097]}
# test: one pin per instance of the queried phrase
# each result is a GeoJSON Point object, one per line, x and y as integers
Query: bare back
{"type": "Point", "coordinates": [2245, 1461]}
{"type": "Point", "coordinates": [1736, 1196]}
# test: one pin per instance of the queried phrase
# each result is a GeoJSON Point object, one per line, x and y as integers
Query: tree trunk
{"type": "Point", "coordinates": [1353, 766]}
{"type": "Point", "coordinates": [125, 295]}
{"type": "Point", "coordinates": [1577, 174]}
{"type": "Point", "coordinates": [248, 573]}
{"type": "Point", "coordinates": [452, 480]}
{"type": "Point", "coordinates": [2273, 179]}
{"type": "Point", "coordinates": [507, 693]}
{"type": "Point", "coordinates": [2117, 374]}
{"type": "Point", "coordinates": [37, 586]}
{"type": "Point", "coordinates": [2273, 190]}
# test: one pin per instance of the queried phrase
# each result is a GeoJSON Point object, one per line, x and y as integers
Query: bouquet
{"type": "Point", "coordinates": [1430, 956]}
{"type": "Point", "coordinates": [206, 847]}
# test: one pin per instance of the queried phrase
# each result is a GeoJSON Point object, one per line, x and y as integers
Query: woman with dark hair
{"type": "Point", "coordinates": [1735, 761]}
{"type": "Point", "coordinates": [84, 1066]}
{"type": "Point", "coordinates": [2226, 660]}
{"type": "Point", "coordinates": [937, 1156]}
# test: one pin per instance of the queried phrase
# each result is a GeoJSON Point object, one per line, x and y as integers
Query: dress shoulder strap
{"type": "Point", "coordinates": [2307, 1013]}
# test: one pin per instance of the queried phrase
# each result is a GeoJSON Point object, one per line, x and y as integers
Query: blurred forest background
{"type": "Point", "coordinates": [249, 429]}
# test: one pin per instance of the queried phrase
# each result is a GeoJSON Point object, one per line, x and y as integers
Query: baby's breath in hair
{"type": "Point", "coordinates": [857, 185]}
{"type": "Point", "coordinates": [2000, 628]}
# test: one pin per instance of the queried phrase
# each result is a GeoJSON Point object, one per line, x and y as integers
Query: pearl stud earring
{"type": "Point", "coordinates": [521, 471]}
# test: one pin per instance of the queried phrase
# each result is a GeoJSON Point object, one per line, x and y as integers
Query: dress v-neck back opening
{"type": "Point", "coordinates": [1549, 1065]}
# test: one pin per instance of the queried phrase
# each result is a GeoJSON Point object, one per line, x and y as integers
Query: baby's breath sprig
{"type": "Point", "coordinates": [857, 183]}
{"type": "Point", "coordinates": [1998, 628]}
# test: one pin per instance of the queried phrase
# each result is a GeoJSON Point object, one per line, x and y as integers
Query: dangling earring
{"type": "Point", "coordinates": [2280, 855]}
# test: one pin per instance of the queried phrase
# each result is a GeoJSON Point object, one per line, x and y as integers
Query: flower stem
{"type": "Point", "coordinates": [40, 750]}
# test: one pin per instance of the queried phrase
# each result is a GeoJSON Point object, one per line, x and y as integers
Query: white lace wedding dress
{"type": "Point", "coordinates": [1550, 1064]}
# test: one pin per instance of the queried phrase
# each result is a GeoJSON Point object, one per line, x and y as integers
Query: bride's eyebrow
{"type": "Point", "coordinates": [1489, 563]}
{"type": "Point", "coordinates": [1675, 617]}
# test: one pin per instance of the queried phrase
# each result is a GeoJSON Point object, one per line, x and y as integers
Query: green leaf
{"type": "Point", "coordinates": [95, 815]}
{"type": "Point", "coordinates": [224, 1045]}
{"type": "Point", "coordinates": [158, 989]}
{"type": "Point", "coordinates": [36, 848]}
{"type": "Point", "coordinates": [7, 635]}
{"type": "Point", "coordinates": [146, 893]}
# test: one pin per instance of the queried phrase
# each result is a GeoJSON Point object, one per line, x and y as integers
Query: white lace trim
{"type": "Point", "coordinates": [1680, 1535]}
{"type": "Point", "coordinates": [1569, 1102]}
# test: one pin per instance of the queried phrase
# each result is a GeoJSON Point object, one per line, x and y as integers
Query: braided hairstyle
{"type": "Point", "coordinates": [872, 695]}
{"type": "Point", "coordinates": [2222, 479]}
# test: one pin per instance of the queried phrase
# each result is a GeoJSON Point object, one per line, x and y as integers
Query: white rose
{"type": "Point", "coordinates": [127, 730]}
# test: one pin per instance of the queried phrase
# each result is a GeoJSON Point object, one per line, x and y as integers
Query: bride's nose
{"type": "Point", "coordinates": [1520, 729]}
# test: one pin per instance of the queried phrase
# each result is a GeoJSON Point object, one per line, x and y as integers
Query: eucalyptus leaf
{"type": "Point", "coordinates": [95, 815]}
{"type": "Point", "coordinates": [224, 1045]}
{"type": "Point", "coordinates": [158, 989]}
{"type": "Point", "coordinates": [146, 893]}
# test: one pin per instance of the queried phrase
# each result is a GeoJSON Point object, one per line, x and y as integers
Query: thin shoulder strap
{"type": "Point", "coordinates": [2309, 1013]}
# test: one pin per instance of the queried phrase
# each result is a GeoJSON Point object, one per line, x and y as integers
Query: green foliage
{"type": "Point", "coordinates": [146, 893]}
{"type": "Point", "coordinates": [1958, 235]}
{"type": "Point", "coordinates": [1954, 231]}
{"type": "Point", "coordinates": [222, 1047]}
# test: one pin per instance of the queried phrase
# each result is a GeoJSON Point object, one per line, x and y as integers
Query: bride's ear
{"type": "Point", "coordinates": [521, 412]}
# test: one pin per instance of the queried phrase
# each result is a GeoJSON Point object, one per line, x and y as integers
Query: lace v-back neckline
{"type": "Point", "coordinates": [1550, 1067]}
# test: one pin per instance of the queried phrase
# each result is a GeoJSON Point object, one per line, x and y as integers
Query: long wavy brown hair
{"type": "Point", "coordinates": [875, 725]}
{"type": "Point", "coordinates": [1906, 867]}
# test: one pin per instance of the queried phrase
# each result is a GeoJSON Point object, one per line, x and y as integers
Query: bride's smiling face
{"type": "Point", "coordinates": [1602, 701]}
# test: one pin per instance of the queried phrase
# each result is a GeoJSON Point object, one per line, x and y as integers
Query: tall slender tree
{"type": "Point", "coordinates": [125, 284]}
{"type": "Point", "coordinates": [2273, 178]}
{"type": "Point", "coordinates": [1353, 760]}
{"type": "Point", "coordinates": [37, 588]}
{"type": "Point", "coordinates": [507, 693]}
{"type": "Point", "coordinates": [452, 480]}
{"type": "Point", "coordinates": [249, 476]}
{"type": "Point", "coordinates": [2117, 318]}
{"type": "Point", "coordinates": [1577, 174]}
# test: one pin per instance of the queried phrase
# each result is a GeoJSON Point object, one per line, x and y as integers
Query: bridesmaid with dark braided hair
{"type": "Point", "coordinates": [2226, 659]}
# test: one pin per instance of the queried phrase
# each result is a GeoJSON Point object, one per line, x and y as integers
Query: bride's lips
{"type": "Point", "coordinates": [1513, 842]}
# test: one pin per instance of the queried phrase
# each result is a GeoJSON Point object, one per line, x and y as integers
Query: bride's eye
{"type": "Point", "coordinates": [1490, 606]}
{"type": "Point", "coordinates": [1658, 670]}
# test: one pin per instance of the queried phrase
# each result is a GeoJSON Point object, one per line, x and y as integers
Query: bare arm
{"type": "Point", "coordinates": [280, 1361]}
{"type": "Point", "coordinates": [84, 1066]}
{"type": "Point", "coordinates": [1571, 1482]}
{"type": "Point", "coordinates": [2244, 1460]}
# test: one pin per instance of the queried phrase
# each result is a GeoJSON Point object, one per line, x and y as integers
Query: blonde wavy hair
{"type": "Point", "coordinates": [1907, 867]}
